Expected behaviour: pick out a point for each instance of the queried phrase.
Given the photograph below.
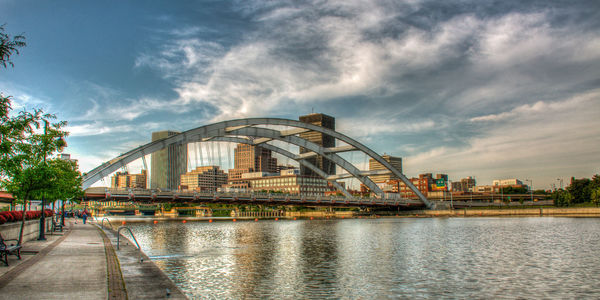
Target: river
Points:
(538, 257)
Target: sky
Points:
(490, 89)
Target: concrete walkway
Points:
(82, 263)
(72, 266)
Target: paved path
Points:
(82, 263)
(71, 268)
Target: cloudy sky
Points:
(492, 89)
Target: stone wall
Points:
(30, 232)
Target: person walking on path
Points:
(84, 217)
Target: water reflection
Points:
(379, 258)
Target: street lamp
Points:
(561, 182)
(42, 233)
(530, 188)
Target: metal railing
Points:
(102, 223)
(131, 233)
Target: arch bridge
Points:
(267, 133)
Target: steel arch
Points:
(225, 128)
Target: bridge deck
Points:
(242, 198)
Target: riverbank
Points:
(83, 263)
(459, 212)
(478, 212)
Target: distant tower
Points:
(320, 139)
(254, 159)
(168, 164)
(374, 165)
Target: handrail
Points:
(108, 223)
(132, 235)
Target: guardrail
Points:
(132, 236)
(257, 196)
(102, 223)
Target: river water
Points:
(379, 258)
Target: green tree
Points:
(65, 181)
(24, 169)
(595, 196)
(9, 46)
(580, 189)
(562, 198)
(26, 173)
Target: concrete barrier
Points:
(30, 232)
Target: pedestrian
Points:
(84, 217)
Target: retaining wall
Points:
(552, 211)
(30, 232)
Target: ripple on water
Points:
(382, 258)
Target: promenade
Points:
(81, 263)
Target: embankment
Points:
(542, 211)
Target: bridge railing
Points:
(279, 197)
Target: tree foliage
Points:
(509, 190)
(596, 196)
(9, 46)
(562, 198)
(27, 139)
(65, 180)
(583, 190)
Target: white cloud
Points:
(374, 125)
(544, 141)
(515, 79)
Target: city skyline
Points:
(463, 89)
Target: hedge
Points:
(17, 215)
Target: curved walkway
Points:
(70, 267)
(82, 263)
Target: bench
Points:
(6, 250)
(56, 226)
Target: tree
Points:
(580, 190)
(562, 198)
(24, 171)
(596, 196)
(9, 46)
(65, 180)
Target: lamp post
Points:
(42, 233)
(561, 182)
(530, 188)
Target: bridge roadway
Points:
(148, 196)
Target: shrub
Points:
(7, 216)
(15, 216)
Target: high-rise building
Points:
(464, 185)
(167, 164)
(320, 139)
(208, 178)
(249, 159)
(126, 180)
(254, 159)
(374, 165)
